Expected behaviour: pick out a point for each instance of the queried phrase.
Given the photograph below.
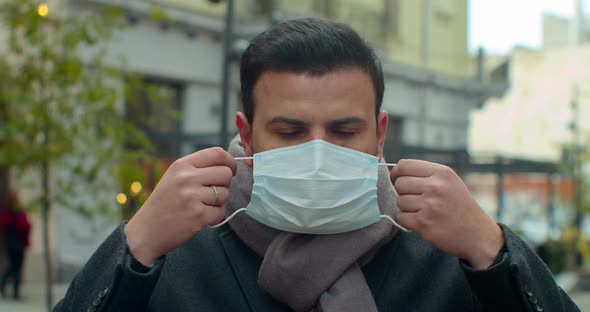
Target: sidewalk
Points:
(34, 299)
(582, 299)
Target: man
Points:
(320, 228)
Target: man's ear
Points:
(244, 129)
(381, 130)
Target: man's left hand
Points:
(435, 203)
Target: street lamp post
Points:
(576, 169)
(229, 52)
(227, 43)
(272, 19)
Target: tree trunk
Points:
(46, 241)
(45, 177)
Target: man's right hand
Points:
(181, 204)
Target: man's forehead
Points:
(334, 98)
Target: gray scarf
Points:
(312, 272)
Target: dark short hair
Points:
(308, 45)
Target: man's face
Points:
(293, 108)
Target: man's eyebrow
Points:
(348, 121)
(286, 120)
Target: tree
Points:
(59, 110)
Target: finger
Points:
(407, 220)
(414, 168)
(212, 215)
(410, 185)
(214, 156)
(410, 203)
(208, 197)
(216, 175)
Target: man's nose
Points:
(318, 133)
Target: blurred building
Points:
(556, 32)
(423, 44)
(533, 119)
(541, 117)
(176, 47)
(537, 121)
(535, 204)
(560, 32)
(429, 34)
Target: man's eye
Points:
(290, 134)
(344, 133)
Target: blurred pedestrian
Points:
(15, 227)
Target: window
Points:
(153, 105)
(391, 17)
(324, 8)
(444, 9)
(395, 128)
(263, 7)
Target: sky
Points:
(497, 25)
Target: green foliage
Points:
(554, 253)
(158, 15)
(61, 106)
(567, 167)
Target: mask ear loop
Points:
(228, 218)
(395, 223)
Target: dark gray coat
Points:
(215, 271)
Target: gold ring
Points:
(215, 195)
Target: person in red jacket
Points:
(15, 228)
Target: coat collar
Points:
(245, 265)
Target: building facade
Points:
(533, 119)
(561, 32)
(542, 117)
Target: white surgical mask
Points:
(315, 188)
